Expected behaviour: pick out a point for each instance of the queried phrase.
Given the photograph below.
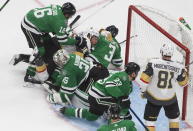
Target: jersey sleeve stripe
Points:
(68, 90)
(145, 78)
(62, 40)
(110, 84)
(96, 93)
(62, 37)
(117, 61)
(29, 26)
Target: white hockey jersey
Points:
(160, 78)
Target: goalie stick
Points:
(4, 5)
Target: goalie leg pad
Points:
(54, 98)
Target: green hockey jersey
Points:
(106, 52)
(49, 19)
(122, 125)
(116, 85)
(74, 72)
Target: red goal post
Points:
(152, 29)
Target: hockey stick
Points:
(93, 13)
(182, 20)
(74, 21)
(4, 5)
(138, 119)
(122, 42)
(130, 38)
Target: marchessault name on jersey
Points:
(167, 67)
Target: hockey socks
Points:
(174, 126)
(79, 113)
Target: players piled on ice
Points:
(74, 69)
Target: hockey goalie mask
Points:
(167, 50)
(61, 57)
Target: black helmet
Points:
(113, 29)
(132, 67)
(68, 8)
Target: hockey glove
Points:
(62, 110)
(38, 60)
(80, 42)
(98, 72)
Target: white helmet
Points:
(92, 32)
(61, 57)
(167, 50)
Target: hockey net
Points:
(147, 30)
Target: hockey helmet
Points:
(92, 32)
(132, 67)
(113, 29)
(61, 57)
(167, 50)
(68, 8)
